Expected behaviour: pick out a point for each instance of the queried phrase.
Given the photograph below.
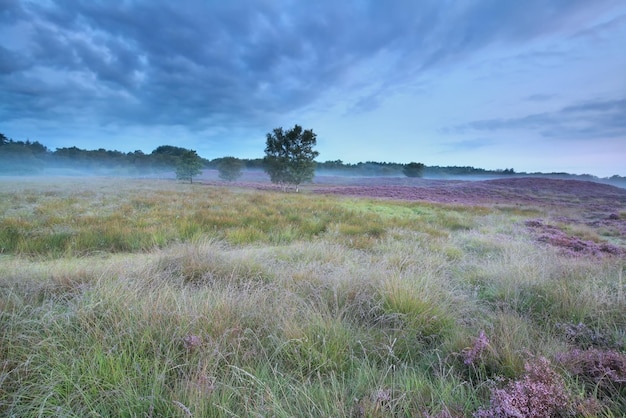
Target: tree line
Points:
(32, 157)
(289, 160)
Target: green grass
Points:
(86, 218)
(154, 298)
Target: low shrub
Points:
(541, 393)
(602, 371)
(583, 336)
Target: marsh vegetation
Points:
(153, 298)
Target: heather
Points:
(157, 298)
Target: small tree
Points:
(189, 164)
(289, 156)
(413, 170)
(229, 168)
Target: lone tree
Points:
(413, 170)
(289, 156)
(229, 168)
(189, 164)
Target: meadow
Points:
(148, 298)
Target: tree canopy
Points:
(229, 168)
(413, 170)
(289, 156)
(21, 157)
(188, 166)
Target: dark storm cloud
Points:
(11, 62)
(196, 62)
(589, 120)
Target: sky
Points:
(534, 85)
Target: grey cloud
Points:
(10, 9)
(183, 63)
(602, 29)
(610, 106)
(11, 62)
(589, 120)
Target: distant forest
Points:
(34, 158)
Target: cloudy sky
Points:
(534, 85)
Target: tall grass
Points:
(77, 218)
(176, 300)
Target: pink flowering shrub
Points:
(192, 342)
(473, 354)
(541, 393)
(570, 245)
(603, 370)
(480, 361)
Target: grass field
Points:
(149, 298)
